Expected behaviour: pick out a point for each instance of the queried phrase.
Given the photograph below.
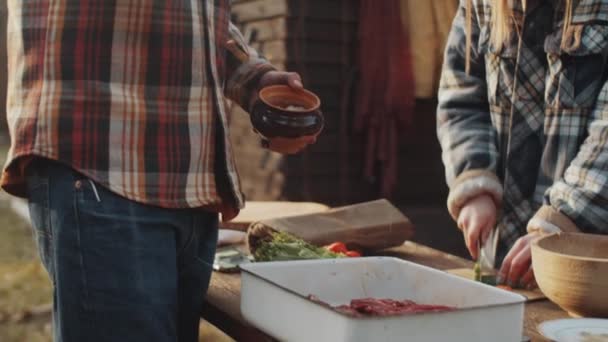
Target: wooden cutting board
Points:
(262, 210)
(368, 226)
(469, 274)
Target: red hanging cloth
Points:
(386, 89)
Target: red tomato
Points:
(353, 254)
(337, 247)
(505, 287)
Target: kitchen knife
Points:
(487, 252)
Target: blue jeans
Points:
(121, 271)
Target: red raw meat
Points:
(383, 307)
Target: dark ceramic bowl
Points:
(284, 112)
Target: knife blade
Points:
(484, 266)
(487, 252)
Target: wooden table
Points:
(222, 308)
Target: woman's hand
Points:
(516, 269)
(476, 220)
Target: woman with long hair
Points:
(523, 124)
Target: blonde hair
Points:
(503, 23)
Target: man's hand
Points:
(516, 268)
(291, 79)
(290, 145)
(476, 220)
(278, 144)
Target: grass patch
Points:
(24, 284)
(17, 243)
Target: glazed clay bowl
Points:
(282, 111)
(572, 271)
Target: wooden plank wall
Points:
(317, 38)
(314, 38)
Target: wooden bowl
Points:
(572, 271)
(282, 111)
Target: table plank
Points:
(222, 307)
(538, 312)
(427, 256)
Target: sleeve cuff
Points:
(244, 80)
(471, 184)
(548, 220)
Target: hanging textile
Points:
(385, 94)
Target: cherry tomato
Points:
(505, 287)
(337, 247)
(353, 254)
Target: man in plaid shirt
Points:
(119, 139)
(525, 131)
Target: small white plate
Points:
(575, 330)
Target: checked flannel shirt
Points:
(131, 94)
(529, 123)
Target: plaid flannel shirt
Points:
(529, 124)
(129, 93)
